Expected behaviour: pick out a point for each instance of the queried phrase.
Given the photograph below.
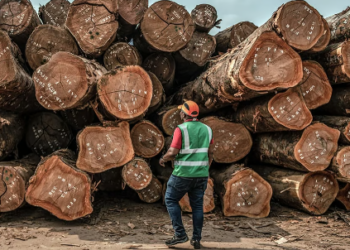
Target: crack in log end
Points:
(171, 120)
(270, 64)
(344, 196)
(137, 174)
(318, 191)
(316, 147)
(152, 193)
(54, 12)
(132, 11)
(15, 16)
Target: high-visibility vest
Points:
(193, 159)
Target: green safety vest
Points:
(193, 159)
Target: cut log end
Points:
(316, 147)
(204, 17)
(110, 180)
(324, 39)
(7, 62)
(153, 192)
(78, 118)
(171, 120)
(54, 12)
(158, 93)
(344, 196)
(342, 161)
(137, 174)
(121, 54)
(270, 52)
(240, 32)
(317, 191)
(132, 11)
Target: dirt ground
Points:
(126, 223)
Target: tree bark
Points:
(339, 104)
(147, 139)
(344, 196)
(14, 178)
(18, 19)
(47, 40)
(340, 123)
(78, 118)
(341, 164)
(309, 150)
(110, 180)
(60, 188)
(234, 35)
(242, 191)
(94, 25)
(339, 26)
(54, 12)
(103, 148)
(47, 133)
(67, 81)
(204, 17)
(159, 97)
(125, 93)
(121, 54)
(137, 174)
(168, 118)
(232, 141)
(324, 40)
(309, 192)
(152, 193)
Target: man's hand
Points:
(162, 162)
(169, 156)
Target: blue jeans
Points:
(177, 187)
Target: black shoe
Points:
(196, 244)
(176, 240)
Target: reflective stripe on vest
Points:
(187, 149)
(191, 163)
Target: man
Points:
(190, 149)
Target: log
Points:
(340, 123)
(232, 141)
(47, 133)
(147, 139)
(18, 18)
(344, 196)
(110, 180)
(54, 12)
(324, 39)
(163, 66)
(152, 193)
(137, 174)
(309, 192)
(103, 148)
(11, 132)
(168, 118)
(60, 188)
(47, 40)
(204, 17)
(159, 97)
(309, 150)
(339, 165)
(208, 201)
(121, 54)
(242, 191)
(94, 25)
(339, 26)
(339, 104)
(282, 112)
(167, 26)
(14, 178)
(125, 93)
(67, 81)
(230, 38)
(78, 118)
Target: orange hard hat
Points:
(190, 108)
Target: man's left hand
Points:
(162, 162)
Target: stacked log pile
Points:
(100, 109)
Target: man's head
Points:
(189, 110)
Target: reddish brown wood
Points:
(324, 39)
(137, 174)
(339, 25)
(204, 17)
(158, 98)
(168, 118)
(60, 188)
(54, 12)
(103, 148)
(153, 192)
(344, 196)
(340, 123)
(110, 180)
(341, 164)
(78, 118)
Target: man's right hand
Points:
(162, 162)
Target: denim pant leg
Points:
(177, 187)
(196, 195)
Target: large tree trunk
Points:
(340, 123)
(110, 180)
(125, 93)
(103, 148)
(60, 188)
(153, 192)
(344, 196)
(11, 132)
(341, 164)
(79, 118)
(234, 35)
(121, 54)
(147, 139)
(339, 26)
(93, 24)
(339, 103)
(309, 150)
(309, 192)
(159, 97)
(204, 17)
(14, 178)
(232, 141)
(47, 133)
(137, 174)
(242, 191)
(67, 81)
(54, 12)
(323, 42)
(168, 118)
(208, 200)
(19, 19)
(47, 40)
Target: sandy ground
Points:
(126, 223)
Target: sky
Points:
(256, 11)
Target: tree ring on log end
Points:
(316, 147)
(126, 93)
(324, 39)
(54, 12)
(289, 110)
(7, 61)
(300, 24)
(103, 148)
(204, 17)
(121, 54)
(232, 141)
(158, 91)
(167, 26)
(153, 192)
(171, 120)
(240, 32)
(147, 139)
(137, 174)
(270, 63)
(132, 11)
(342, 159)
(317, 191)
(344, 196)
(247, 194)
